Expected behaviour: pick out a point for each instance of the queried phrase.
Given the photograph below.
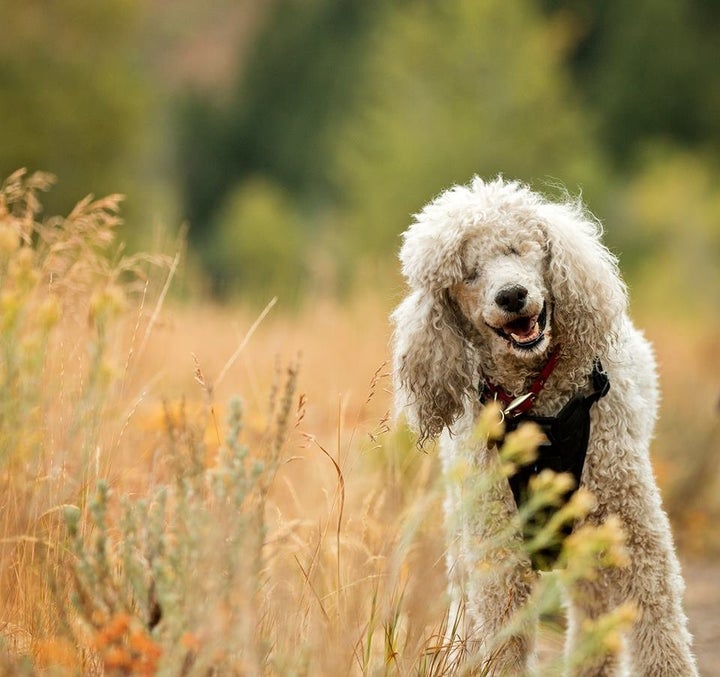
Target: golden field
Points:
(153, 523)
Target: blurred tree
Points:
(258, 246)
(457, 88)
(360, 111)
(72, 94)
(670, 240)
(647, 69)
(298, 81)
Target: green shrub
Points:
(259, 249)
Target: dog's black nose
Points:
(511, 298)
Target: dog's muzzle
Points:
(524, 332)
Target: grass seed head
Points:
(521, 445)
(9, 239)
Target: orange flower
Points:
(144, 645)
(117, 626)
(117, 658)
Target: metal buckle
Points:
(516, 403)
(501, 411)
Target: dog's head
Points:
(497, 274)
(504, 293)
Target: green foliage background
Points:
(298, 136)
(75, 97)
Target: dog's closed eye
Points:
(471, 275)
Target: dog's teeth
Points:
(515, 337)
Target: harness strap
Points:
(601, 382)
(567, 434)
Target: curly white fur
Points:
(462, 250)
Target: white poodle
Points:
(512, 295)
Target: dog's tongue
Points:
(522, 329)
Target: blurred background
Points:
(296, 137)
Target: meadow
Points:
(191, 488)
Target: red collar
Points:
(515, 406)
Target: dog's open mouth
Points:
(525, 332)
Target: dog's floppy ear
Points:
(583, 278)
(431, 356)
(431, 365)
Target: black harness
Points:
(567, 435)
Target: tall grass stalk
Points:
(65, 287)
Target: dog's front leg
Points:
(660, 644)
(489, 572)
(587, 601)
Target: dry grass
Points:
(149, 525)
